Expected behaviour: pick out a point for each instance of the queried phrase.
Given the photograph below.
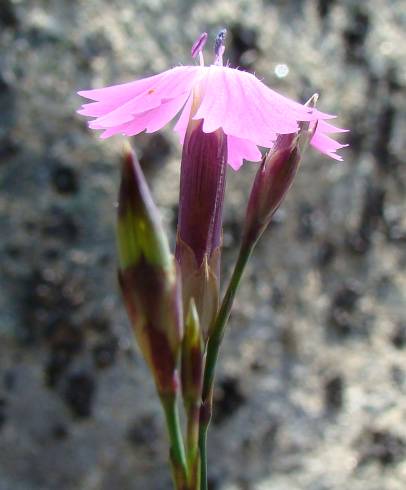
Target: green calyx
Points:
(140, 233)
(137, 238)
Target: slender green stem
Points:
(217, 332)
(177, 449)
(212, 352)
(192, 444)
(203, 455)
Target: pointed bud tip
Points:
(192, 311)
(193, 323)
(129, 160)
(127, 151)
(127, 148)
(312, 101)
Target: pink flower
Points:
(250, 114)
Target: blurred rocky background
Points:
(311, 391)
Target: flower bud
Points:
(140, 232)
(202, 185)
(272, 181)
(147, 276)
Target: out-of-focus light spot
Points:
(281, 70)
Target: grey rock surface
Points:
(311, 390)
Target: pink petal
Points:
(183, 121)
(109, 132)
(171, 85)
(249, 113)
(245, 108)
(160, 116)
(123, 92)
(241, 149)
(96, 109)
(324, 127)
(150, 121)
(326, 145)
(317, 115)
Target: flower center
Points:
(219, 48)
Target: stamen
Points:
(198, 46)
(219, 47)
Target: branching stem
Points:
(177, 449)
(212, 352)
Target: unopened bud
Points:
(202, 185)
(147, 276)
(273, 180)
(139, 229)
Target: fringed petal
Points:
(151, 121)
(248, 112)
(96, 109)
(245, 108)
(324, 127)
(138, 99)
(118, 94)
(325, 144)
